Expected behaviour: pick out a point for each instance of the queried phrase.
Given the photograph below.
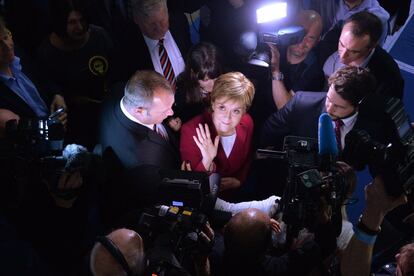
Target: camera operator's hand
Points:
(227, 183)
(275, 62)
(275, 225)
(378, 203)
(201, 261)
(186, 166)
(207, 147)
(68, 183)
(57, 102)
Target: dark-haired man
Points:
(348, 88)
(358, 45)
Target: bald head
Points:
(311, 21)
(247, 234)
(132, 248)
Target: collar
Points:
(355, 7)
(132, 118)
(15, 67)
(153, 43)
(350, 120)
(367, 59)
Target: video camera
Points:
(172, 229)
(34, 149)
(306, 186)
(395, 161)
(272, 27)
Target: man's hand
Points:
(205, 144)
(379, 203)
(59, 101)
(175, 123)
(228, 183)
(67, 183)
(275, 62)
(275, 225)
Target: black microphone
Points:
(328, 147)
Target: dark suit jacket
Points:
(238, 162)
(387, 73)
(132, 144)
(300, 117)
(132, 53)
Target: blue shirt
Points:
(344, 12)
(20, 84)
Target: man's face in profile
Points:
(336, 106)
(6, 47)
(160, 109)
(353, 50)
(154, 25)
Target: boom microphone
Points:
(328, 147)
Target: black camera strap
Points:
(115, 252)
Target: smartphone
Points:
(59, 111)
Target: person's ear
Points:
(140, 111)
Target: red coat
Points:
(237, 164)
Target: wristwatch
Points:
(361, 226)
(278, 76)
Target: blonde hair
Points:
(233, 86)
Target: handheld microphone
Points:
(328, 147)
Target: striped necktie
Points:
(166, 63)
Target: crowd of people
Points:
(124, 79)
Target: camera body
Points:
(395, 161)
(272, 27)
(307, 190)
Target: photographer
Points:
(20, 94)
(122, 252)
(49, 202)
(356, 259)
(296, 67)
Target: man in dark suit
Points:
(132, 129)
(135, 143)
(345, 102)
(140, 43)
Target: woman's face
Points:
(206, 85)
(227, 115)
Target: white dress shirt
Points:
(346, 127)
(173, 52)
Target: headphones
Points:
(116, 253)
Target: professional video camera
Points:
(395, 161)
(172, 231)
(314, 181)
(34, 149)
(272, 27)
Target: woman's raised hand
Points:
(207, 147)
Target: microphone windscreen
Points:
(326, 136)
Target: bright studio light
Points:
(271, 12)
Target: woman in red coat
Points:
(220, 140)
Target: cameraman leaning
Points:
(122, 253)
(19, 94)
